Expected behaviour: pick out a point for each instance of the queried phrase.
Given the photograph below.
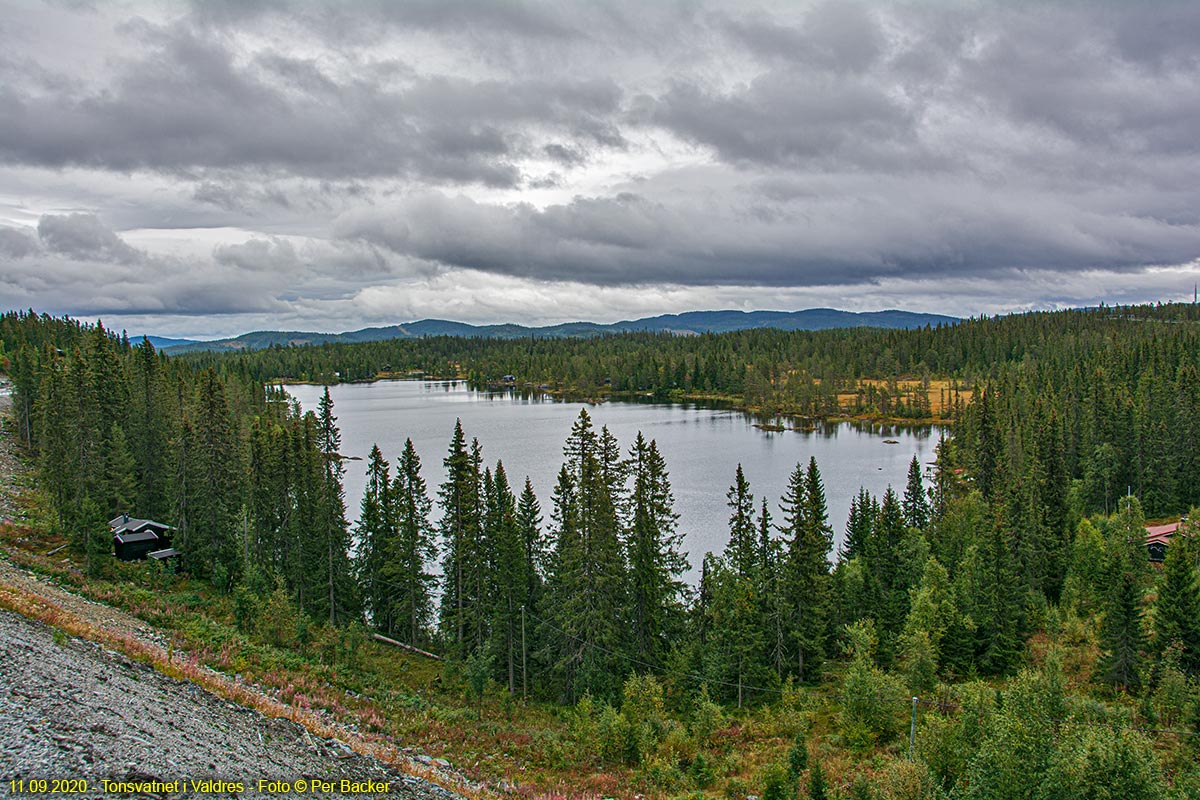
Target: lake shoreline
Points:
(699, 400)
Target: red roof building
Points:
(1157, 539)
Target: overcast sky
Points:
(209, 169)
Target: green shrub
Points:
(643, 709)
(1018, 743)
(1172, 697)
(281, 623)
(798, 758)
(221, 578)
(906, 780)
(874, 703)
(616, 740)
(817, 788)
(662, 774)
(861, 789)
(677, 747)
(736, 789)
(246, 608)
(701, 772)
(584, 728)
(919, 661)
(942, 745)
(777, 783)
(1103, 763)
(707, 717)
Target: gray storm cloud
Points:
(286, 157)
(188, 102)
(78, 265)
(83, 236)
(803, 236)
(15, 243)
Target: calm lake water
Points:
(702, 447)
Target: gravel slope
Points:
(73, 709)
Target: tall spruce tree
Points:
(529, 523)
(588, 581)
(863, 510)
(1054, 516)
(1177, 612)
(118, 487)
(916, 504)
(57, 434)
(375, 532)
(1187, 435)
(886, 584)
(998, 593)
(740, 552)
(537, 560)
(652, 544)
(1122, 637)
(108, 396)
(732, 656)
(769, 591)
(212, 500)
(305, 557)
(272, 490)
(554, 628)
(462, 615)
(412, 548)
(510, 583)
(342, 600)
(149, 432)
(808, 541)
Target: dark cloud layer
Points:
(305, 154)
(892, 228)
(188, 102)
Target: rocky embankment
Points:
(73, 710)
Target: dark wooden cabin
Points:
(134, 539)
(134, 546)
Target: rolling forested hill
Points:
(689, 323)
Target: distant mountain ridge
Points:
(162, 342)
(685, 324)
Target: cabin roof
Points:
(126, 523)
(128, 537)
(1161, 530)
(1161, 534)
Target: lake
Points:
(702, 447)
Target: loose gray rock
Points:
(71, 710)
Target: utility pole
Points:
(912, 729)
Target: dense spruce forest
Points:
(1079, 425)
